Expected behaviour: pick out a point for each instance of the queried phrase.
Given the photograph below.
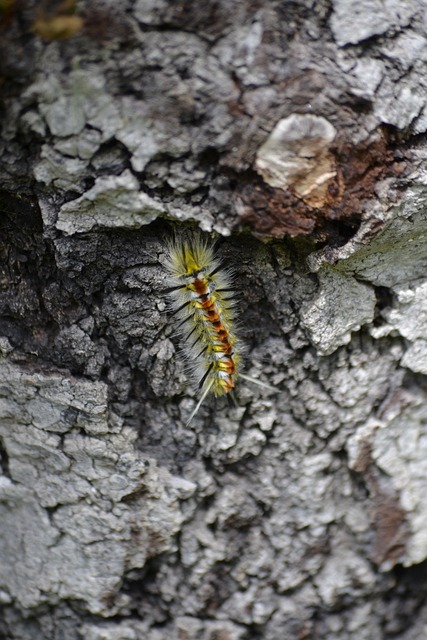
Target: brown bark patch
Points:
(388, 516)
(273, 212)
(276, 212)
(390, 528)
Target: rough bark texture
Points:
(296, 131)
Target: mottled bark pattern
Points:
(294, 131)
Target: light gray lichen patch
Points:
(113, 201)
(341, 306)
(390, 70)
(415, 357)
(395, 258)
(120, 631)
(343, 569)
(82, 114)
(408, 316)
(77, 99)
(358, 379)
(368, 18)
(112, 508)
(144, 134)
(64, 173)
(365, 77)
(381, 256)
(26, 538)
(399, 104)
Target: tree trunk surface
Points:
(292, 134)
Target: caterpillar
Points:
(202, 299)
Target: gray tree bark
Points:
(294, 132)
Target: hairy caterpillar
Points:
(202, 299)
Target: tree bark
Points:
(293, 134)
